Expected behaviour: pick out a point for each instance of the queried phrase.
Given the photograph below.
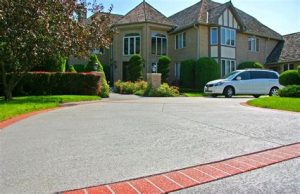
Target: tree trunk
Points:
(7, 94)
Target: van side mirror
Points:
(238, 78)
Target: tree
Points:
(163, 68)
(250, 65)
(135, 68)
(31, 30)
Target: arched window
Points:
(159, 44)
(132, 44)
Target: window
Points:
(244, 75)
(213, 36)
(253, 44)
(177, 71)
(180, 41)
(159, 44)
(228, 66)
(132, 44)
(228, 36)
(288, 67)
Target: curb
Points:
(250, 106)
(196, 175)
(11, 121)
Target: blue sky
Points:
(282, 16)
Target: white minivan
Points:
(255, 82)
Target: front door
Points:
(125, 71)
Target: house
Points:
(286, 54)
(207, 28)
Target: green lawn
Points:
(193, 94)
(21, 105)
(280, 103)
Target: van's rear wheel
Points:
(228, 92)
(273, 91)
(256, 96)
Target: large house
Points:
(207, 28)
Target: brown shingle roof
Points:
(145, 13)
(287, 50)
(114, 18)
(197, 13)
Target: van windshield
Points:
(231, 75)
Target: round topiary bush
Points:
(290, 91)
(206, 69)
(91, 64)
(290, 77)
(250, 65)
(135, 68)
(163, 68)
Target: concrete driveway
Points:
(127, 137)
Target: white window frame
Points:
(253, 42)
(181, 37)
(232, 66)
(134, 44)
(177, 71)
(217, 38)
(288, 66)
(229, 34)
(161, 37)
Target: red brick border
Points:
(196, 175)
(13, 120)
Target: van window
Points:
(259, 75)
(244, 75)
(272, 75)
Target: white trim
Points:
(134, 45)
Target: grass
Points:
(280, 103)
(21, 105)
(193, 94)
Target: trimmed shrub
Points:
(290, 91)
(165, 91)
(163, 68)
(135, 68)
(52, 64)
(90, 66)
(298, 69)
(72, 69)
(206, 69)
(130, 87)
(290, 77)
(48, 83)
(80, 68)
(187, 75)
(250, 65)
(105, 89)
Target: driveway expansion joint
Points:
(197, 175)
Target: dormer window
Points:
(132, 44)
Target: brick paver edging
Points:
(196, 175)
(13, 120)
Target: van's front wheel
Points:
(228, 92)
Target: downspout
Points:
(196, 27)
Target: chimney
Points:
(82, 12)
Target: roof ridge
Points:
(291, 34)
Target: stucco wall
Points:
(243, 54)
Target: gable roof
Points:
(287, 50)
(144, 12)
(197, 14)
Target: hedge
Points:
(187, 76)
(47, 83)
(290, 77)
(79, 67)
(290, 91)
(206, 69)
(250, 65)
